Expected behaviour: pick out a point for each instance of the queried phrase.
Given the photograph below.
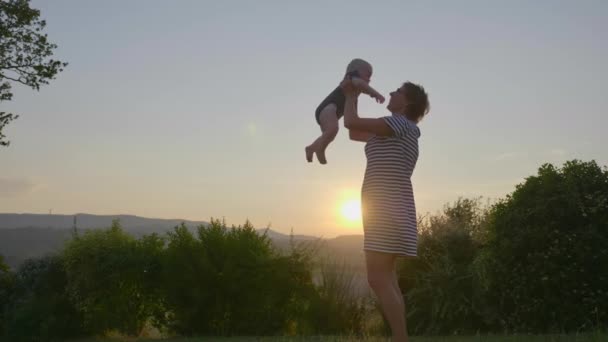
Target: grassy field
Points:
(593, 337)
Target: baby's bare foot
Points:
(309, 152)
(321, 156)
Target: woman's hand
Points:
(349, 88)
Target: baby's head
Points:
(363, 68)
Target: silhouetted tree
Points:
(548, 250)
(24, 53)
(112, 278)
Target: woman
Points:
(387, 197)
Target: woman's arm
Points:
(352, 121)
(361, 136)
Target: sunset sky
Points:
(199, 109)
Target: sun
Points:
(351, 211)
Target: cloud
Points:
(15, 187)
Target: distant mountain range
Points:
(25, 236)
(87, 221)
(135, 225)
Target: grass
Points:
(590, 337)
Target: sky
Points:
(200, 109)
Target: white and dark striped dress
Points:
(387, 197)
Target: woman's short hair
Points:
(418, 99)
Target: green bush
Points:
(113, 279)
(548, 250)
(336, 306)
(231, 281)
(6, 289)
(441, 286)
(38, 308)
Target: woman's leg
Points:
(329, 129)
(382, 279)
(399, 295)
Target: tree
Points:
(38, 308)
(112, 279)
(547, 252)
(3, 267)
(6, 288)
(24, 53)
(231, 281)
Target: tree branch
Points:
(24, 72)
(13, 79)
(8, 67)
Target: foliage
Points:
(25, 53)
(6, 289)
(548, 250)
(113, 279)
(38, 308)
(231, 281)
(337, 307)
(441, 286)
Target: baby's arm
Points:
(365, 88)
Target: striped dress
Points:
(387, 197)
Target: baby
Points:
(332, 108)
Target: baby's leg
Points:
(329, 129)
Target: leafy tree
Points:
(25, 53)
(112, 279)
(3, 267)
(548, 250)
(6, 288)
(227, 281)
(38, 308)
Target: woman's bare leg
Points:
(381, 277)
(399, 295)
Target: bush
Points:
(231, 281)
(6, 289)
(441, 286)
(38, 308)
(113, 279)
(336, 306)
(548, 250)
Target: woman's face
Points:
(397, 102)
